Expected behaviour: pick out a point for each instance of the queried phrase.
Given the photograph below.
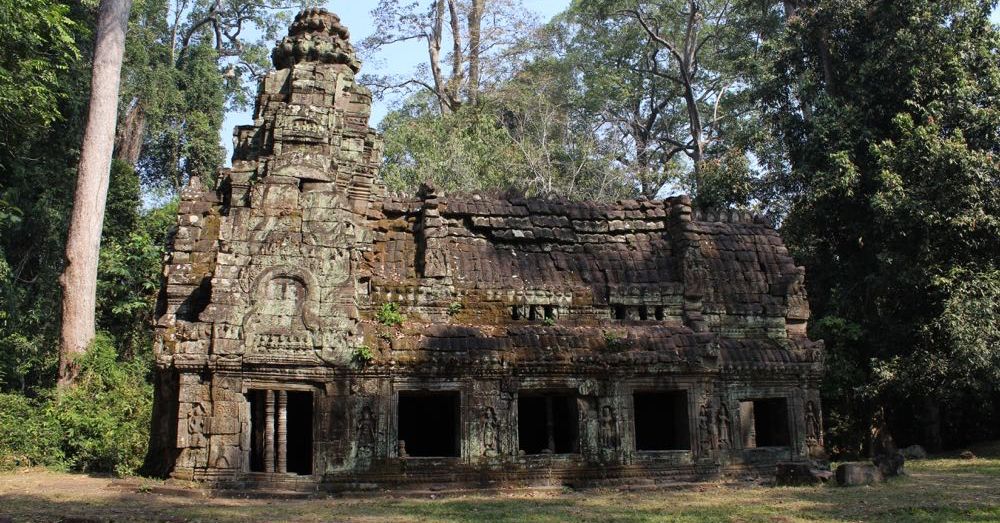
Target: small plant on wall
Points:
(362, 355)
(454, 308)
(388, 314)
(614, 341)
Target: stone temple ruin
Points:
(315, 331)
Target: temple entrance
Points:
(764, 423)
(299, 438)
(661, 420)
(428, 424)
(281, 431)
(547, 423)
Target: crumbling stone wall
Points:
(277, 277)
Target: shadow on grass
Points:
(937, 490)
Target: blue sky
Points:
(356, 15)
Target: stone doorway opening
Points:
(764, 423)
(661, 420)
(300, 428)
(428, 424)
(547, 423)
(281, 426)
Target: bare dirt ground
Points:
(941, 489)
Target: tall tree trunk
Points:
(128, 143)
(475, 31)
(457, 56)
(826, 60)
(434, 52)
(79, 280)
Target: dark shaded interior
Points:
(256, 398)
(547, 423)
(661, 420)
(428, 423)
(770, 423)
(298, 439)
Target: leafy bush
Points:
(28, 437)
(99, 425)
(388, 314)
(104, 418)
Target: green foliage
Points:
(633, 92)
(39, 47)
(465, 151)
(549, 322)
(388, 314)
(454, 308)
(187, 62)
(519, 137)
(104, 418)
(28, 437)
(99, 425)
(724, 181)
(130, 262)
(38, 157)
(614, 341)
(362, 355)
(890, 129)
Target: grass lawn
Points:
(941, 489)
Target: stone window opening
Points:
(547, 423)
(428, 424)
(764, 423)
(661, 420)
(643, 314)
(621, 312)
(659, 313)
(533, 312)
(550, 312)
(281, 426)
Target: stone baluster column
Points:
(282, 447)
(269, 431)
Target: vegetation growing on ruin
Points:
(362, 355)
(868, 130)
(388, 314)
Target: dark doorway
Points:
(257, 416)
(547, 423)
(428, 423)
(299, 434)
(764, 423)
(661, 420)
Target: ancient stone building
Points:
(314, 330)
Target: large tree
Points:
(41, 121)
(187, 62)
(79, 279)
(474, 49)
(665, 81)
(891, 134)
